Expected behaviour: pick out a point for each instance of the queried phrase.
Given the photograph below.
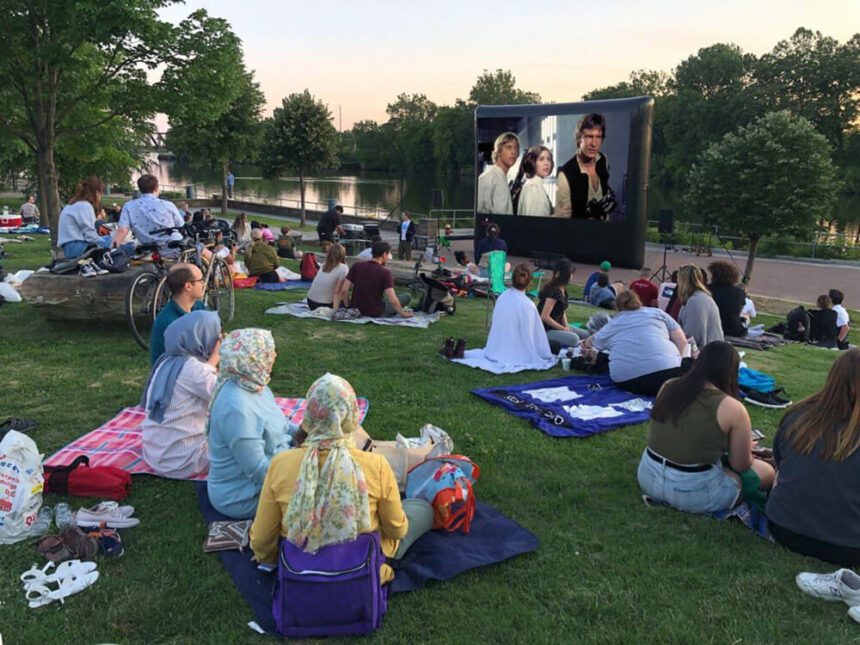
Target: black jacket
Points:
(730, 300)
(578, 182)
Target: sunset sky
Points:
(360, 55)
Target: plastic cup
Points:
(565, 363)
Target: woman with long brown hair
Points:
(695, 421)
(699, 315)
(77, 230)
(815, 508)
(329, 279)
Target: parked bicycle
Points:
(149, 293)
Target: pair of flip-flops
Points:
(19, 425)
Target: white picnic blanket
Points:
(420, 320)
(517, 339)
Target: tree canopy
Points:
(300, 137)
(771, 177)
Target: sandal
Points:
(34, 575)
(19, 425)
(79, 575)
(83, 546)
(51, 547)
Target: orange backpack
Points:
(446, 482)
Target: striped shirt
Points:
(177, 447)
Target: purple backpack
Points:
(336, 591)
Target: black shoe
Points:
(765, 400)
(448, 349)
(460, 349)
(781, 400)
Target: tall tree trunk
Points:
(224, 188)
(754, 239)
(49, 192)
(302, 194)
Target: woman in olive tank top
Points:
(695, 421)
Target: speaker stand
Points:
(663, 272)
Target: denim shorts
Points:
(705, 492)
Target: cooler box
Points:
(11, 220)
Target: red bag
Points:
(309, 266)
(80, 480)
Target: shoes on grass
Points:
(459, 349)
(447, 350)
(842, 585)
(766, 399)
(111, 514)
(41, 589)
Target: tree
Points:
(300, 137)
(499, 88)
(67, 67)
(215, 140)
(453, 132)
(411, 121)
(817, 78)
(771, 176)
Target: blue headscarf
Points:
(192, 336)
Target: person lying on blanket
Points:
(370, 282)
(695, 421)
(177, 396)
(327, 491)
(246, 427)
(644, 344)
(814, 508)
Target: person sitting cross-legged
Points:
(695, 421)
(552, 307)
(370, 282)
(814, 508)
(328, 492)
(185, 282)
(246, 427)
(329, 279)
(177, 397)
(645, 346)
(261, 259)
(77, 228)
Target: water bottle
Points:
(43, 522)
(63, 515)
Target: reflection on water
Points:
(364, 189)
(376, 190)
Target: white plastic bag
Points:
(8, 293)
(21, 484)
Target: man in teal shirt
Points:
(185, 282)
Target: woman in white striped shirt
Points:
(178, 394)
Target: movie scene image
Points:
(566, 166)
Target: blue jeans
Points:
(705, 492)
(76, 249)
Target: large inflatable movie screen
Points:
(565, 179)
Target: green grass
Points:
(608, 569)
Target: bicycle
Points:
(148, 293)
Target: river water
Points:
(382, 192)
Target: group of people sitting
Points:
(209, 410)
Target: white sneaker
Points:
(110, 513)
(840, 585)
(88, 271)
(854, 614)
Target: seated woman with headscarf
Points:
(177, 396)
(328, 492)
(517, 339)
(246, 426)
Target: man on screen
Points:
(583, 182)
(494, 194)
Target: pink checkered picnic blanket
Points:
(119, 442)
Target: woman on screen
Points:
(537, 164)
(494, 194)
(583, 182)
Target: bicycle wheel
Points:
(139, 306)
(219, 290)
(160, 298)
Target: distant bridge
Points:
(156, 142)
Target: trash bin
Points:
(331, 202)
(190, 193)
(135, 194)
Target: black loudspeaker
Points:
(666, 222)
(437, 198)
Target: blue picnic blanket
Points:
(283, 286)
(437, 555)
(574, 406)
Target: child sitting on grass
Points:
(287, 245)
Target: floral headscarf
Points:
(247, 357)
(330, 505)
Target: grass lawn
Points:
(608, 569)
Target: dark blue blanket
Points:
(283, 286)
(574, 406)
(437, 555)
